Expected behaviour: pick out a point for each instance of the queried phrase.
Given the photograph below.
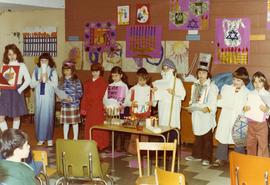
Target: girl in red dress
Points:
(92, 105)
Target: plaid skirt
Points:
(70, 115)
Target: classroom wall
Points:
(16, 21)
(104, 10)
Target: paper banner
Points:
(37, 40)
(189, 14)
(232, 41)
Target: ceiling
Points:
(26, 5)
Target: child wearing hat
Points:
(232, 99)
(70, 107)
(169, 95)
(204, 94)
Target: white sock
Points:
(75, 131)
(16, 124)
(3, 126)
(66, 128)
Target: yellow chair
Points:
(164, 177)
(79, 160)
(41, 156)
(154, 146)
(249, 170)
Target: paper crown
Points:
(204, 61)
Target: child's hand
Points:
(83, 112)
(205, 110)
(68, 100)
(45, 77)
(149, 103)
(246, 108)
(219, 96)
(264, 109)
(154, 89)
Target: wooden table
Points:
(145, 131)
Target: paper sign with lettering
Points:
(117, 92)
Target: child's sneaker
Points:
(40, 143)
(205, 163)
(191, 158)
(50, 143)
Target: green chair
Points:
(79, 160)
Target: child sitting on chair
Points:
(13, 148)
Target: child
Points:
(14, 147)
(70, 107)
(204, 96)
(92, 105)
(115, 95)
(232, 100)
(140, 100)
(44, 80)
(258, 131)
(168, 111)
(12, 100)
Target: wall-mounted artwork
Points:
(98, 37)
(143, 14)
(189, 14)
(178, 52)
(74, 51)
(143, 41)
(37, 40)
(123, 17)
(232, 41)
(129, 64)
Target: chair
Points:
(164, 177)
(249, 170)
(41, 156)
(79, 160)
(154, 146)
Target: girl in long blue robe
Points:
(44, 80)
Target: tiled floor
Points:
(126, 170)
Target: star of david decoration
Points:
(233, 35)
(193, 24)
(240, 129)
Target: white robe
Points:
(203, 122)
(164, 103)
(232, 104)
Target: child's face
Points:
(141, 81)
(202, 76)
(116, 77)
(67, 72)
(95, 74)
(44, 61)
(11, 55)
(258, 84)
(24, 151)
(238, 83)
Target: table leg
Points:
(178, 152)
(113, 151)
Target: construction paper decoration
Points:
(142, 13)
(232, 41)
(123, 15)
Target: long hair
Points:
(48, 57)
(262, 78)
(68, 64)
(16, 50)
(118, 70)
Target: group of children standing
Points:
(95, 96)
(232, 100)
